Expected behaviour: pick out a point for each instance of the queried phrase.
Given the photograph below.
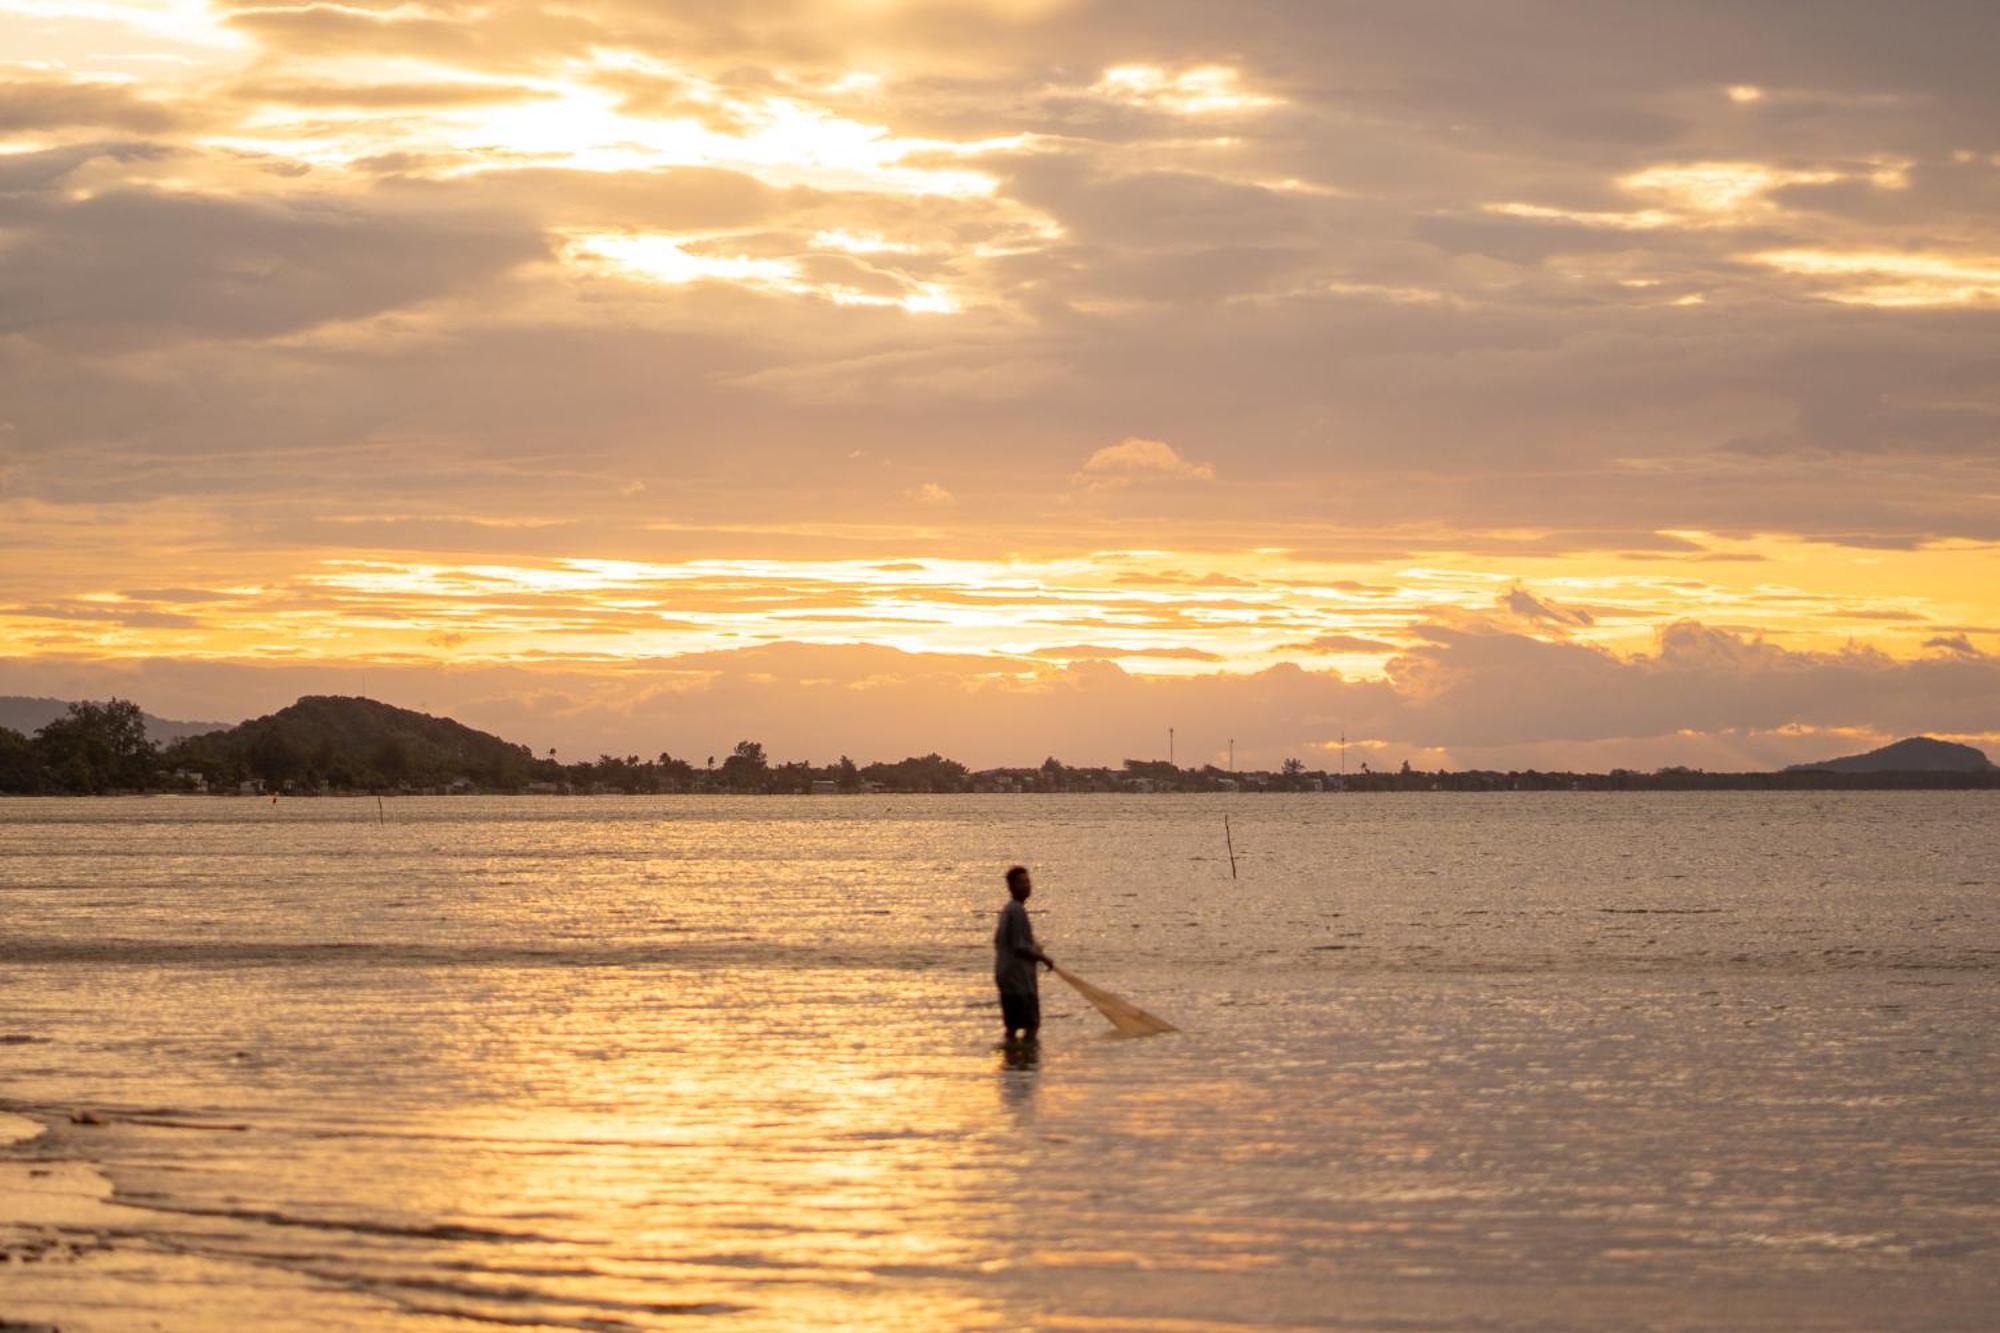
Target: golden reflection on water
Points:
(816, 1171)
(1019, 1082)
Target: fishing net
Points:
(1127, 1017)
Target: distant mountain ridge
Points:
(29, 714)
(1915, 754)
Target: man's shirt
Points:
(1014, 950)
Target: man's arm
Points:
(1021, 941)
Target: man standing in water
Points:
(1015, 954)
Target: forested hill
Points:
(1917, 754)
(357, 744)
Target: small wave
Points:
(489, 1303)
(160, 1122)
(524, 1295)
(446, 1231)
(251, 953)
(589, 1325)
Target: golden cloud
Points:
(1134, 459)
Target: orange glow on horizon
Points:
(1153, 612)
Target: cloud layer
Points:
(522, 336)
(1490, 699)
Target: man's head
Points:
(1018, 884)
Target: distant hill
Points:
(1918, 754)
(359, 744)
(29, 715)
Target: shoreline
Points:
(55, 1233)
(74, 1259)
(1770, 784)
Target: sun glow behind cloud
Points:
(597, 114)
(1881, 278)
(668, 261)
(1200, 91)
(783, 140)
(1701, 195)
(1720, 189)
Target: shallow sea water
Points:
(1449, 1062)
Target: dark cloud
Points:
(1538, 611)
(41, 104)
(327, 28)
(176, 595)
(1080, 652)
(142, 265)
(1489, 689)
(1338, 643)
(135, 617)
(32, 172)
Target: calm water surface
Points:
(1451, 1062)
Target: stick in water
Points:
(1127, 1017)
(1231, 844)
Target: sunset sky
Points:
(1499, 384)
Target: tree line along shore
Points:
(334, 745)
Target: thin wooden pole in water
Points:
(1230, 843)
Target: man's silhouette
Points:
(1015, 954)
